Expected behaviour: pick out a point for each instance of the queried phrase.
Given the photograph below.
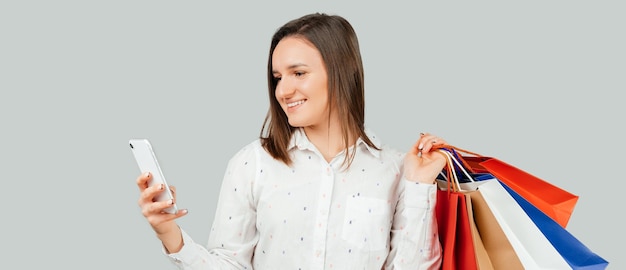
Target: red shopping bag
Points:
(552, 200)
(455, 230)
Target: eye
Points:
(298, 73)
(276, 78)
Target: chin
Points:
(296, 123)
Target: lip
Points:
(294, 105)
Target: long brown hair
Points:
(336, 40)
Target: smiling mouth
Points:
(293, 104)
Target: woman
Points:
(317, 190)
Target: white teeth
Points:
(295, 103)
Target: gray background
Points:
(534, 83)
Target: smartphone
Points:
(147, 161)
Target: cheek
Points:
(314, 88)
(321, 93)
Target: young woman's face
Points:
(302, 86)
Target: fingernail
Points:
(420, 147)
(161, 186)
(422, 134)
(170, 202)
(146, 174)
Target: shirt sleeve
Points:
(233, 235)
(414, 234)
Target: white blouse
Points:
(316, 215)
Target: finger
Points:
(173, 191)
(142, 180)
(415, 149)
(440, 142)
(425, 142)
(156, 208)
(428, 143)
(164, 217)
(153, 209)
(424, 136)
(419, 154)
(161, 206)
(181, 213)
(148, 194)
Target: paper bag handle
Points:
(460, 158)
(451, 160)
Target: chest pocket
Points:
(367, 223)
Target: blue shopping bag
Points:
(575, 253)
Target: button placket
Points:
(321, 222)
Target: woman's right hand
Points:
(162, 223)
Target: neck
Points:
(327, 139)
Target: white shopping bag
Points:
(532, 247)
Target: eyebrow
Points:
(294, 66)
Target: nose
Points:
(284, 89)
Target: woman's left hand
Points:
(422, 164)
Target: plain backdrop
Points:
(538, 84)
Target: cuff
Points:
(186, 254)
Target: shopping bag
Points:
(575, 253)
(454, 229)
(490, 236)
(491, 247)
(569, 248)
(552, 200)
(483, 262)
(532, 247)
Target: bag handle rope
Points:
(460, 158)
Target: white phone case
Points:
(147, 161)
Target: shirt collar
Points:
(300, 140)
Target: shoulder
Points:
(252, 152)
(386, 154)
(247, 154)
(389, 153)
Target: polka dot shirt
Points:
(316, 214)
